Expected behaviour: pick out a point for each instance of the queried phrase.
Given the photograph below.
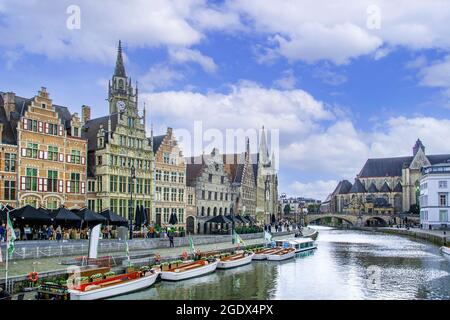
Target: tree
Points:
(414, 209)
(287, 209)
(313, 208)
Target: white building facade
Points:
(434, 196)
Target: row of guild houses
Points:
(384, 185)
(51, 158)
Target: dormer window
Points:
(44, 106)
(76, 132)
(100, 142)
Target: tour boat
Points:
(446, 251)
(190, 270)
(261, 255)
(235, 260)
(117, 285)
(300, 245)
(283, 254)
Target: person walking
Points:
(2, 232)
(171, 239)
(58, 233)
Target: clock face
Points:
(120, 104)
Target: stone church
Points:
(384, 185)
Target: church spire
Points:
(120, 68)
(263, 151)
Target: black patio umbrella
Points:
(114, 218)
(90, 217)
(219, 219)
(234, 219)
(173, 218)
(250, 218)
(273, 218)
(29, 214)
(240, 219)
(63, 215)
(138, 217)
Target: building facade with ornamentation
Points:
(170, 180)
(384, 185)
(120, 157)
(44, 148)
(214, 191)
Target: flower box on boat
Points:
(190, 270)
(235, 260)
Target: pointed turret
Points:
(263, 151)
(417, 146)
(120, 68)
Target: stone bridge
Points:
(354, 220)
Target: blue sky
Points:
(338, 89)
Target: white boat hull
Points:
(177, 276)
(445, 251)
(259, 256)
(115, 290)
(280, 257)
(305, 249)
(235, 263)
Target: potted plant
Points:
(144, 268)
(165, 266)
(109, 274)
(82, 280)
(96, 277)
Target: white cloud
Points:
(436, 74)
(329, 76)
(183, 55)
(286, 81)
(159, 76)
(319, 189)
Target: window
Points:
(113, 184)
(158, 175)
(166, 215)
(209, 177)
(91, 186)
(32, 150)
(173, 177)
(442, 199)
(91, 204)
(52, 181)
(76, 156)
(166, 158)
(209, 195)
(10, 190)
(181, 195)
(10, 162)
(130, 122)
(122, 184)
(443, 215)
(173, 196)
(53, 129)
(75, 131)
(147, 186)
(123, 207)
(222, 179)
(442, 184)
(99, 205)
(31, 179)
(99, 183)
(181, 215)
(52, 203)
(52, 153)
(158, 194)
(181, 177)
(99, 160)
(113, 206)
(140, 185)
(74, 182)
(190, 199)
(215, 196)
(166, 176)
(203, 194)
(130, 185)
(166, 194)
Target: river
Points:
(348, 264)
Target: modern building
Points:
(43, 148)
(214, 192)
(385, 185)
(434, 196)
(120, 157)
(170, 182)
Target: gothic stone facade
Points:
(214, 192)
(385, 185)
(117, 144)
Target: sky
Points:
(333, 82)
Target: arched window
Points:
(215, 211)
(203, 211)
(208, 212)
(220, 211)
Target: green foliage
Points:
(287, 209)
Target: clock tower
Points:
(121, 95)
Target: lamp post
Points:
(130, 207)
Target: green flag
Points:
(11, 236)
(191, 245)
(237, 239)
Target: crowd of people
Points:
(281, 225)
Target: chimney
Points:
(1, 132)
(9, 104)
(85, 113)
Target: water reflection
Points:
(347, 265)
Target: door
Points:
(190, 225)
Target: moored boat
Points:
(114, 286)
(235, 260)
(262, 255)
(282, 254)
(445, 251)
(299, 244)
(190, 270)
